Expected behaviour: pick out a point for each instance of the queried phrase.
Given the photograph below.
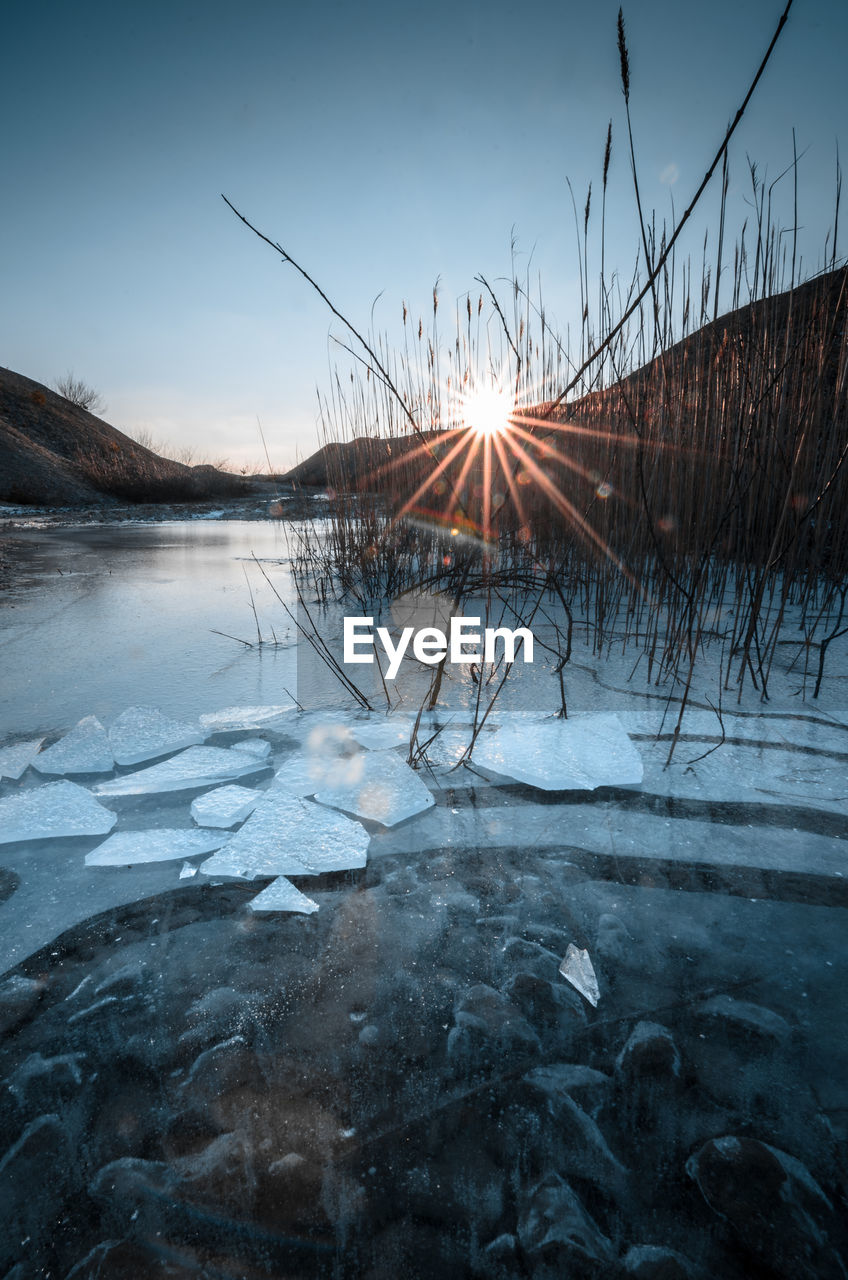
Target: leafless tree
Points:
(80, 393)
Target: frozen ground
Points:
(393, 1067)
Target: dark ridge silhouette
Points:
(53, 453)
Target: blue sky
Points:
(383, 146)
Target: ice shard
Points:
(128, 848)
(383, 788)
(187, 871)
(143, 733)
(53, 810)
(577, 969)
(84, 749)
(281, 895)
(196, 767)
(288, 836)
(225, 806)
(18, 756)
(232, 718)
(562, 755)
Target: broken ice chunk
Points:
(224, 807)
(288, 836)
(143, 733)
(577, 969)
(300, 775)
(562, 755)
(254, 747)
(84, 749)
(52, 810)
(187, 870)
(232, 718)
(281, 895)
(16, 758)
(305, 771)
(383, 788)
(127, 848)
(196, 767)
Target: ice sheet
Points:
(17, 757)
(379, 735)
(143, 733)
(196, 767)
(233, 718)
(225, 806)
(85, 749)
(562, 755)
(281, 895)
(288, 836)
(52, 810)
(128, 848)
(381, 787)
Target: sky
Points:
(384, 147)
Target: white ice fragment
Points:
(187, 870)
(143, 733)
(254, 747)
(84, 749)
(225, 806)
(288, 836)
(577, 969)
(232, 718)
(281, 895)
(17, 757)
(52, 810)
(196, 767)
(304, 772)
(300, 774)
(382, 787)
(563, 755)
(126, 848)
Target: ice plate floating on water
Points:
(231, 719)
(51, 811)
(281, 895)
(562, 755)
(224, 807)
(379, 786)
(128, 848)
(288, 836)
(144, 733)
(18, 756)
(195, 767)
(84, 749)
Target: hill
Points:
(53, 453)
(776, 339)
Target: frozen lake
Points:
(103, 616)
(203, 1065)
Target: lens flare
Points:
(486, 410)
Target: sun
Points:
(487, 410)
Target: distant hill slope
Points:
(52, 453)
(820, 306)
